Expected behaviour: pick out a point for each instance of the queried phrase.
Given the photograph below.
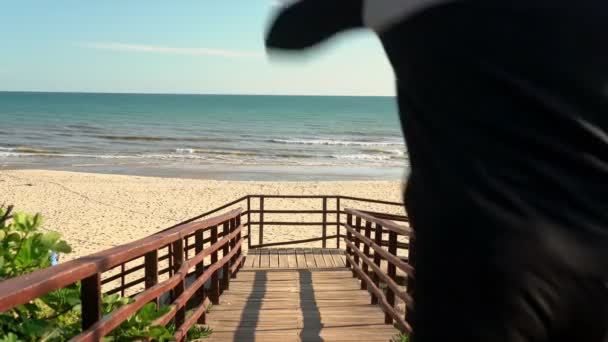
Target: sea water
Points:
(204, 136)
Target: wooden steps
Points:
(297, 305)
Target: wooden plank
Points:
(329, 260)
(249, 223)
(261, 223)
(215, 284)
(90, 296)
(264, 258)
(283, 262)
(300, 258)
(294, 305)
(274, 258)
(349, 236)
(225, 282)
(291, 258)
(250, 261)
(339, 258)
(324, 230)
(310, 258)
(338, 222)
(392, 273)
(318, 255)
(151, 270)
(178, 261)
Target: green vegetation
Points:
(56, 316)
(402, 337)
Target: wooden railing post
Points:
(227, 228)
(338, 222)
(214, 296)
(411, 287)
(178, 260)
(170, 259)
(261, 231)
(324, 233)
(349, 237)
(122, 280)
(186, 249)
(151, 271)
(90, 297)
(237, 238)
(199, 270)
(248, 222)
(368, 234)
(377, 260)
(392, 273)
(358, 229)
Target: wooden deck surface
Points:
(295, 258)
(297, 304)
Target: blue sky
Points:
(186, 46)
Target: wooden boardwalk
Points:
(316, 304)
(296, 258)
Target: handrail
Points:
(369, 200)
(405, 267)
(335, 202)
(399, 229)
(338, 212)
(20, 290)
(360, 260)
(207, 213)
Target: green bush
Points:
(402, 337)
(22, 248)
(56, 316)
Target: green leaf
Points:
(37, 221)
(62, 247)
(147, 313)
(13, 237)
(111, 299)
(19, 221)
(10, 337)
(38, 328)
(2, 234)
(159, 333)
(49, 239)
(199, 331)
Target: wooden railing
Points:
(146, 254)
(328, 214)
(365, 255)
(181, 265)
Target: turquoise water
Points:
(215, 136)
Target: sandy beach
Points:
(97, 211)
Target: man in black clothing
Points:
(504, 106)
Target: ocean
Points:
(204, 136)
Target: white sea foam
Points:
(335, 142)
(397, 152)
(8, 154)
(362, 157)
(184, 150)
(64, 155)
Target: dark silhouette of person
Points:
(504, 108)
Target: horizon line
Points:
(185, 93)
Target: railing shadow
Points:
(310, 310)
(246, 329)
